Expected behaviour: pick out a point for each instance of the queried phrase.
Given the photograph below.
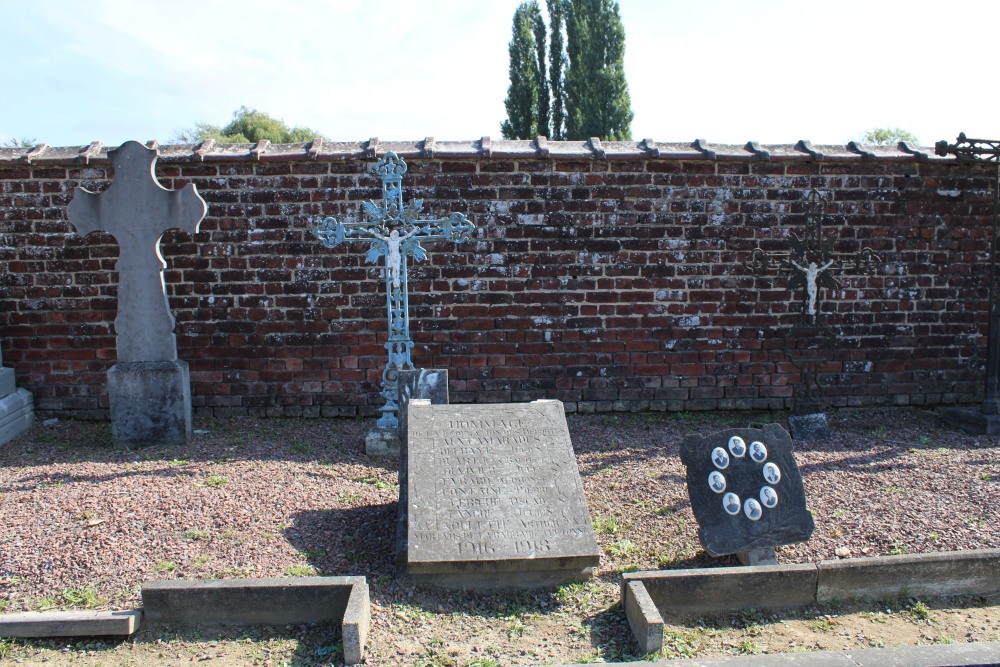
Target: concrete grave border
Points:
(646, 596)
(201, 602)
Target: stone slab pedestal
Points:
(17, 414)
(971, 420)
(150, 403)
(809, 427)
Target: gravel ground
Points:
(84, 525)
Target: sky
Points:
(727, 71)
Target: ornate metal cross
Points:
(986, 150)
(812, 260)
(813, 263)
(394, 232)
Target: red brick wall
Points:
(610, 284)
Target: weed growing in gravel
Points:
(9, 648)
(196, 534)
(349, 497)
(165, 566)
(985, 476)
(215, 481)
(578, 591)
(679, 644)
(301, 447)
(411, 613)
(897, 549)
(840, 513)
(179, 462)
(918, 611)
(609, 526)
(301, 571)
(199, 561)
(749, 647)
(824, 623)
(622, 548)
(85, 597)
(232, 573)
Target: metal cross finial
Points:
(395, 232)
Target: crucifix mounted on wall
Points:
(813, 265)
(812, 260)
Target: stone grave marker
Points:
(746, 492)
(17, 410)
(149, 388)
(495, 498)
(424, 383)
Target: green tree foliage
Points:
(538, 31)
(584, 92)
(557, 65)
(248, 126)
(522, 94)
(888, 136)
(20, 142)
(597, 98)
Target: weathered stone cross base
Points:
(17, 412)
(381, 441)
(972, 420)
(150, 403)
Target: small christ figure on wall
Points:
(812, 261)
(812, 275)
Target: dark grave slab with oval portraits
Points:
(746, 490)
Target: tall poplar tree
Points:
(597, 98)
(557, 65)
(584, 93)
(522, 94)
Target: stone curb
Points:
(264, 602)
(984, 654)
(775, 586)
(70, 623)
(219, 602)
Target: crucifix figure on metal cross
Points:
(394, 232)
(812, 260)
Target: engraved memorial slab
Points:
(746, 490)
(495, 498)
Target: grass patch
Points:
(215, 481)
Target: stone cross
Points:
(394, 232)
(812, 260)
(137, 210)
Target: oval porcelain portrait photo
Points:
(758, 451)
(716, 481)
(720, 458)
(772, 473)
(737, 446)
(731, 503)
